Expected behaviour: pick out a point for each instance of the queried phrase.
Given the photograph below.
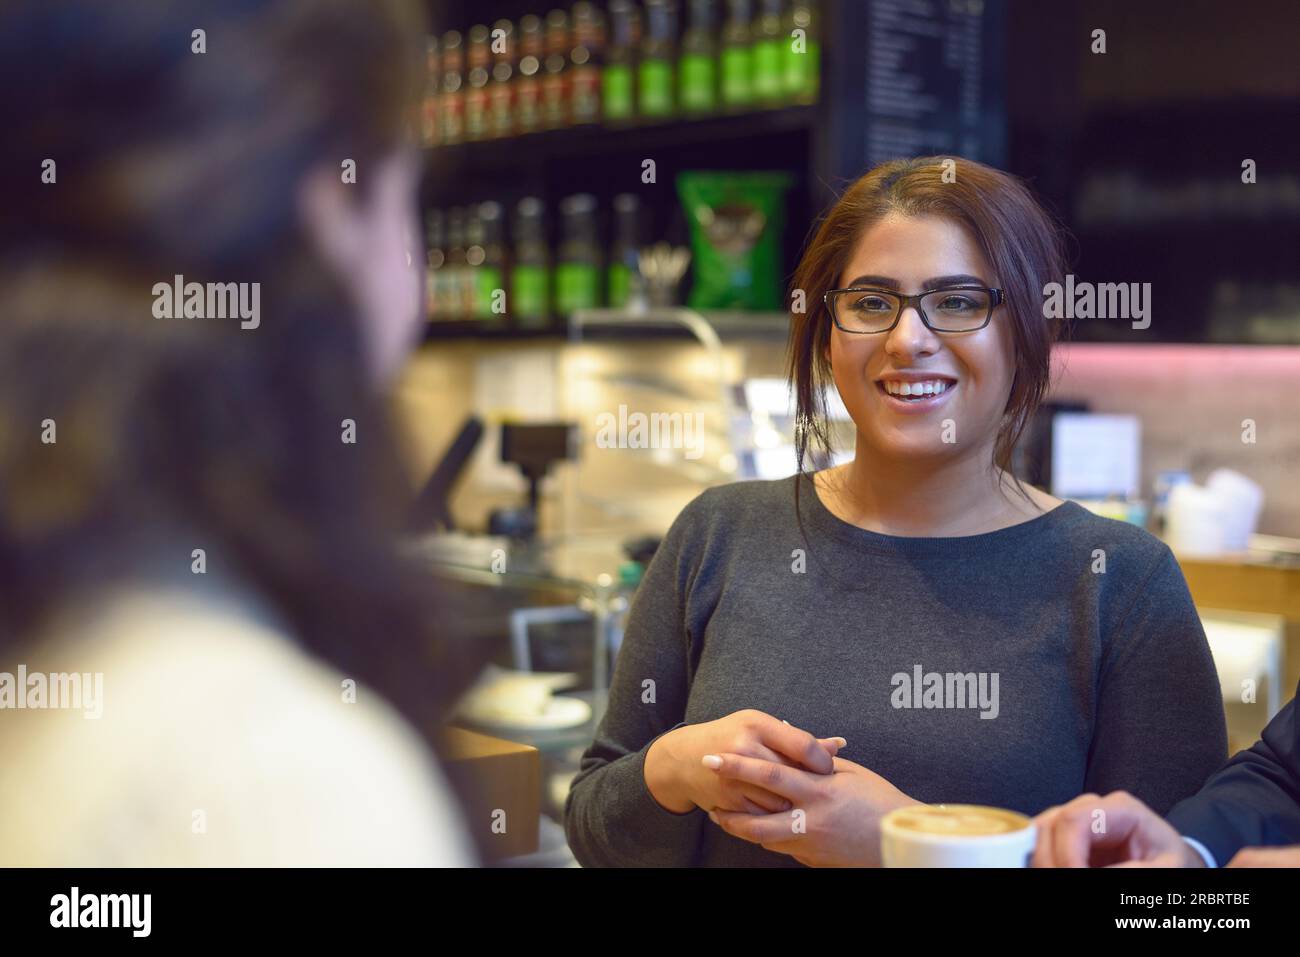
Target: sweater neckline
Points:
(823, 522)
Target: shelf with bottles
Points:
(477, 271)
(627, 66)
(484, 281)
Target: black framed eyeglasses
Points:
(867, 310)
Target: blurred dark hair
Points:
(1018, 238)
(172, 432)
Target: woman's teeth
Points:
(917, 389)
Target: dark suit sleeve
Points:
(1254, 800)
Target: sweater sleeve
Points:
(610, 817)
(1159, 728)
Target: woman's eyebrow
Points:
(938, 282)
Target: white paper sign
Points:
(1094, 456)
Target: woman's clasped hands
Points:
(767, 782)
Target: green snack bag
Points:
(736, 222)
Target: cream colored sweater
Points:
(220, 743)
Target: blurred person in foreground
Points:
(200, 499)
(1246, 815)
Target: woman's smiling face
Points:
(912, 254)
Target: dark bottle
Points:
(452, 95)
(769, 55)
(479, 61)
(490, 274)
(655, 73)
(737, 58)
(456, 266)
(530, 278)
(475, 255)
(697, 71)
(501, 103)
(577, 275)
(555, 72)
(617, 81)
(528, 84)
(435, 236)
(629, 237)
(802, 54)
(429, 105)
(585, 63)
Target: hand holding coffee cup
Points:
(956, 835)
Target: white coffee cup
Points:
(956, 835)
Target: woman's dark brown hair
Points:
(1018, 238)
(173, 434)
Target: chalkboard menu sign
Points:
(934, 79)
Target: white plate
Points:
(562, 712)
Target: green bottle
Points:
(530, 279)
(698, 68)
(628, 239)
(577, 276)
(435, 234)
(770, 45)
(617, 79)
(657, 66)
(474, 258)
(490, 275)
(737, 58)
(456, 269)
(802, 59)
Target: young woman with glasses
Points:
(912, 625)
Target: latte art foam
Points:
(959, 820)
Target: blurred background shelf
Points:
(764, 326)
(594, 144)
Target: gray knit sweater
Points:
(1006, 668)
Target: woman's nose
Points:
(911, 335)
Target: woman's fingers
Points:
(764, 753)
(767, 799)
(790, 783)
(767, 802)
(796, 745)
(832, 745)
(764, 829)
